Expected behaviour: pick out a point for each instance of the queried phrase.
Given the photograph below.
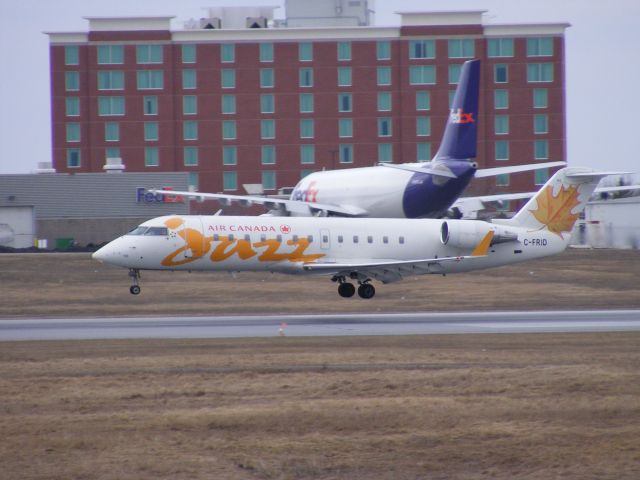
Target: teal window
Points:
(384, 101)
(229, 180)
(422, 49)
(71, 56)
(228, 104)
(73, 158)
(190, 156)
(110, 80)
(423, 126)
(454, 73)
(501, 99)
(72, 105)
(305, 52)
(305, 172)
(345, 102)
(267, 103)
(423, 100)
(385, 152)
(267, 129)
(540, 123)
(344, 51)
(268, 180)
(266, 52)
(452, 95)
(189, 105)
(306, 102)
(112, 131)
(112, 152)
(229, 130)
(502, 150)
(540, 47)
(188, 53)
(150, 105)
(110, 54)
(307, 154)
(306, 77)
(383, 50)
(422, 75)
(189, 80)
(540, 72)
(268, 154)
(500, 73)
(461, 48)
(150, 131)
(384, 127)
(384, 75)
(230, 155)
(266, 77)
(190, 130)
(502, 180)
(110, 106)
(345, 153)
(151, 157)
(344, 76)
(306, 128)
(423, 152)
(72, 81)
(345, 127)
(541, 149)
(501, 124)
(541, 176)
(540, 98)
(192, 181)
(73, 132)
(149, 53)
(150, 79)
(227, 53)
(228, 78)
(500, 47)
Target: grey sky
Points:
(603, 71)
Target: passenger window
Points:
(401, 240)
(385, 239)
(216, 237)
(231, 237)
(247, 237)
(263, 237)
(325, 238)
(370, 239)
(279, 238)
(340, 239)
(294, 238)
(355, 239)
(310, 238)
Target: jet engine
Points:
(468, 233)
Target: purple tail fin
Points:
(460, 135)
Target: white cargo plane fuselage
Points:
(363, 249)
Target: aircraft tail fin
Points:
(460, 135)
(558, 204)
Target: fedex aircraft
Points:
(409, 190)
(356, 249)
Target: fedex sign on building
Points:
(146, 197)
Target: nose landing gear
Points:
(134, 273)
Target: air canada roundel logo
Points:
(285, 228)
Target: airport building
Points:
(238, 97)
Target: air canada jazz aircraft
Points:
(356, 249)
(408, 190)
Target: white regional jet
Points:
(356, 249)
(408, 190)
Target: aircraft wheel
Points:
(346, 290)
(366, 290)
(134, 289)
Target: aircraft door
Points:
(193, 239)
(325, 239)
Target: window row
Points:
(541, 176)
(418, 49)
(540, 124)
(540, 150)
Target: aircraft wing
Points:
(387, 271)
(271, 203)
(438, 170)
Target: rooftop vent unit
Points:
(113, 165)
(45, 167)
(256, 22)
(212, 23)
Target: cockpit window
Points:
(157, 231)
(138, 231)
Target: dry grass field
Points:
(74, 284)
(472, 407)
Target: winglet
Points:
(482, 248)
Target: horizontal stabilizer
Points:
(492, 172)
(438, 170)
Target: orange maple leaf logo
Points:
(555, 212)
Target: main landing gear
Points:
(134, 273)
(347, 290)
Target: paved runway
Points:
(319, 325)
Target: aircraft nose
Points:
(101, 254)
